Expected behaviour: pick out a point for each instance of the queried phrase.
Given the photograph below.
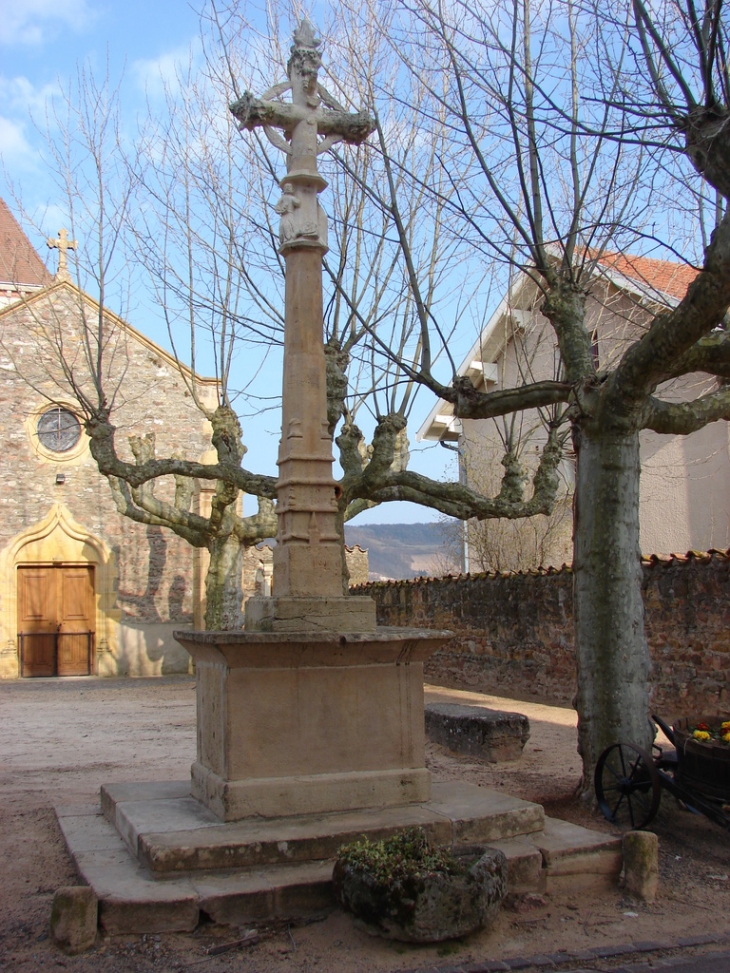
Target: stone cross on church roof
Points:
(62, 244)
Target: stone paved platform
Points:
(158, 861)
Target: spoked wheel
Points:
(627, 784)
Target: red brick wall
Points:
(514, 632)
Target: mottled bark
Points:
(222, 531)
(612, 655)
(223, 590)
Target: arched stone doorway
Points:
(56, 579)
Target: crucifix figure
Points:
(308, 559)
(62, 244)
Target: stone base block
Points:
(331, 614)
(287, 721)
(73, 918)
(274, 797)
(641, 864)
(477, 731)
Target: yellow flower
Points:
(701, 735)
(726, 737)
(726, 726)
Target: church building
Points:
(84, 590)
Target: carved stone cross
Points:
(62, 244)
(309, 590)
(312, 113)
(311, 105)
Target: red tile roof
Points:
(19, 262)
(663, 275)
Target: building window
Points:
(58, 430)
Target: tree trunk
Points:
(223, 585)
(612, 658)
(340, 525)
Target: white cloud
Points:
(15, 147)
(19, 96)
(29, 21)
(166, 72)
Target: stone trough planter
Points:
(401, 888)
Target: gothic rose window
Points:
(58, 430)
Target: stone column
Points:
(309, 558)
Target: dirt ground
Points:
(61, 739)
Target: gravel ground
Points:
(62, 739)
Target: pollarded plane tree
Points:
(551, 180)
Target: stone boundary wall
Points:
(514, 631)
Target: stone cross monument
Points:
(313, 708)
(308, 566)
(311, 720)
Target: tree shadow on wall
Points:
(142, 606)
(176, 600)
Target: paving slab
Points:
(135, 818)
(113, 794)
(130, 900)
(89, 832)
(506, 816)
(525, 872)
(285, 891)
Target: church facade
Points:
(84, 590)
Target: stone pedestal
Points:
(310, 723)
(302, 614)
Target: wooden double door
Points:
(56, 620)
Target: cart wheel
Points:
(627, 784)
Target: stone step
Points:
(171, 833)
(134, 899)
(562, 857)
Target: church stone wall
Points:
(152, 567)
(514, 631)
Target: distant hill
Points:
(397, 551)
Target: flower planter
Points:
(430, 905)
(702, 765)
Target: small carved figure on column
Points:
(286, 208)
(294, 224)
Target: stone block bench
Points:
(477, 731)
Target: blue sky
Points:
(42, 43)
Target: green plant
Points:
(404, 857)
